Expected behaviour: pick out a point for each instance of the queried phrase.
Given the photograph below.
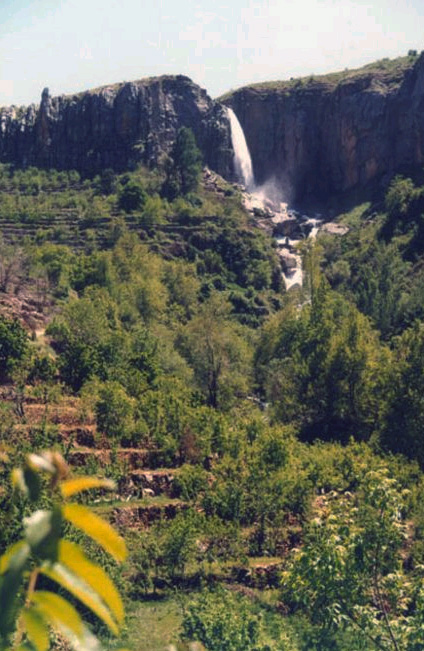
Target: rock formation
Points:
(115, 126)
(328, 134)
(315, 136)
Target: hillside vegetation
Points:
(385, 71)
(267, 446)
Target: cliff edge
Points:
(323, 135)
(116, 126)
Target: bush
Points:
(190, 481)
(114, 410)
(221, 620)
(132, 197)
(13, 345)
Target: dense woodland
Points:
(284, 430)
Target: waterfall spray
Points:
(242, 160)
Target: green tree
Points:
(178, 544)
(13, 345)
(323, 367)
(132, 197)
(221, 620)
(89, 338)
(114, 410)
(184, 168)
(403, 427)
(218, 354)
(348, 574)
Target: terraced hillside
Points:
(251, 433)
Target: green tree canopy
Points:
(13, 344)
(184, 167)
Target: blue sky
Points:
(72, 45)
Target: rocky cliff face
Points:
(116, 126)
(315, 136)
(323, 135)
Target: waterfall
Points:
(242, 160)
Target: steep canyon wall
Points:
(316, 136)
(325, 135)
(115, 126)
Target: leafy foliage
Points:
(348, 573)
(222, 621)
(25, 619)
(184, 167)
(13, 345)
(323, 367)
(131, 197)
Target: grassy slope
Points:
(386, 71)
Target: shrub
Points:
(13, 345)
(132, 197)
(114, 410)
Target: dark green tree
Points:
(404, 430)
(184, 168)
(323, 367)
(13, 345)
(132, 197)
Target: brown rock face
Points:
(116, 126)
(315, 136)
(329, 134)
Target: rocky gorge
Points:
(323, 135)
(315, 136)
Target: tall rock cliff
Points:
(315, 136)
(328, 134)
(115, 126)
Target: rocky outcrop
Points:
(329, 134)
(315, 136)
(116, 127)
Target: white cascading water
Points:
(267, 197)
(242, 160)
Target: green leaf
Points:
(33, 483)
(96, 528)
(36, 629)
(58, 612)
(75, 560)
(27, 481)
(15, 563)
(61, 615)
(42, 532)
(81, 590)
(18, 480)
(79, 484)
(9, 554)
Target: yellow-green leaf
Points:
(9, 555)
(58, 612)
(97, 528)
(79, 484)
(18, 480)
(36, 629)
(75, 560)
(81, 590)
